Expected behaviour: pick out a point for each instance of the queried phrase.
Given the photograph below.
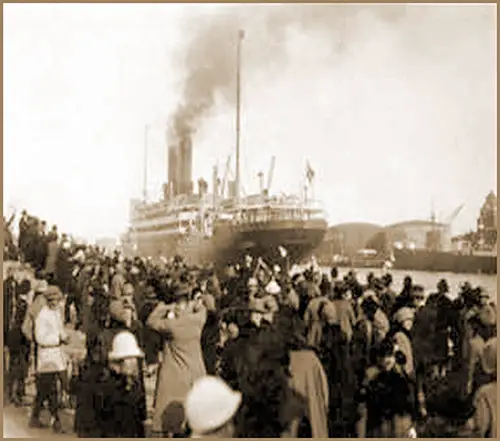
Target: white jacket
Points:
(49, 332)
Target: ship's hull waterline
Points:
(420, 260)
(230, 243)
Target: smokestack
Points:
(172, 170)
(185, 167)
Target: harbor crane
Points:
(454, 214)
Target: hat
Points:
(79, 256)
(125, 346)
(487, 316)
(134, 270)
(442, 285)
(210, 404)
(273, 288)
(41, 286)
(252, 282)
(53, 293)
(370, 294)
(378, 284)
(489, 357)
(150, 293)
(403, 314)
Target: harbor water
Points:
(429, 280)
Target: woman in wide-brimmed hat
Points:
(180, 322)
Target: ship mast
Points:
(241, 35)
(145, 173)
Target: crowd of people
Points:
(250, 350)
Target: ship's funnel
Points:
(185, 167)
(180, 166)
(172, 171)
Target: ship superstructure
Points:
(222, 226)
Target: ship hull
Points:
(435, 261)
(299, 238)
(230, 243)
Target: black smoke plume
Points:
(208, 61)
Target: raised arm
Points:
(158, 320)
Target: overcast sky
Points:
(395, 108)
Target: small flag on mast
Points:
(309, 172)
(241, 34)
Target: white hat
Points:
(403, 314)
(41, 286)
(252, 281)
(79, 256)
(210, 404)
(273, 288)
(125, 346)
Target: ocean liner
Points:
(224, 226)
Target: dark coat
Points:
(64, 269)
(388, 396)
(151, 341)
(9, 291)
(209, 339)
(106, 408)
(16, 341)
(122, 411)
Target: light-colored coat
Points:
(313, 321)
(309, 380)
(49, 333)
(182, 364)
(405, 346)
(485, 417)
(346, 317)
